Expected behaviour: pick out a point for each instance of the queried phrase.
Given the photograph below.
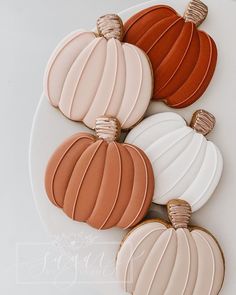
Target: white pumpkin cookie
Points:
(157, 258)
(185, 163)
(94, 74)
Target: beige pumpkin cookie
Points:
(158, 258)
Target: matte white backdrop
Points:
(29, 30)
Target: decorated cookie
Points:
(157, 258)
(97, 180)
(95, 74)
(185, 163)
(183, 58)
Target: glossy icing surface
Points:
(103, 184)
(156, 260)
(183, 58)
(186, 165)
(89, 76)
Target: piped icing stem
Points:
(196, 12)
(203, 122)
(179, 212)
(107, 128)
(110, 26)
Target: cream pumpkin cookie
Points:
(185, 163)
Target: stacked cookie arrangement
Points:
(106, 80)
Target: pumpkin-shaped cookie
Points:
(157, 258)
(95, 74)
(183, 58)
(184, 162)
(97, 180)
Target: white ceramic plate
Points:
(50, 128)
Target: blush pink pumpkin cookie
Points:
(95, 74)
(97, 180)
(158, 258)
(183, 57)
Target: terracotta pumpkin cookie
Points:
(97, 180)
(183, 57)
(157, 258)
(95, 74)
(184, 162)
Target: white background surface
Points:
(29, 31)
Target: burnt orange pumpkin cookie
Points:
(183, 58)
(97, 180)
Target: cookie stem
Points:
(196, 12)
(203, 122)
(179, 212)
(110, 26)
(107, 128)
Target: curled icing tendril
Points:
(107, 128)
(179, 212)
(110, 26)
(203, 122)
(196, 12)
